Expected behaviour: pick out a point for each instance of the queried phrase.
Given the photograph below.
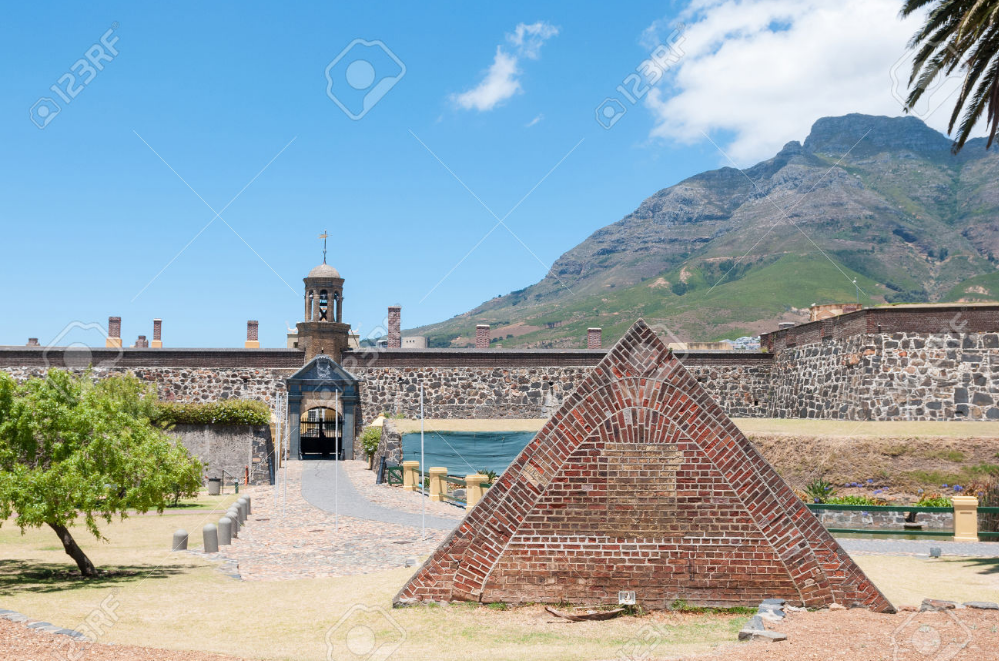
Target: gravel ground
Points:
(860, 635)
(19, 643)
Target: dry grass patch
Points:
(181, 601)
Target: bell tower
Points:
(323, 331)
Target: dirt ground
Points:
(859, 635)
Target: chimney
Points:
(593, 338)
(141, 343)
(157, 334)
(482, 336)
(394, 327)
(33, 342)
(252, 342)
(114, 333)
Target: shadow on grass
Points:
(984, 565)
(18, 576)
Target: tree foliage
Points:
(74, 449)
(959, 34)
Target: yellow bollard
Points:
(473, 489)
(438, 487)
(410, 475)
(965, 518)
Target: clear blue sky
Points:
(93, 220)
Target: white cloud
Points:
(528, 39)
(501, 81)
(757, 73)
(534, 121)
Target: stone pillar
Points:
(294, 427)
(593, 338)
(349, 451)
(410, 475)
(473, 489)
(252, 341)
(438, 487)
(339, 307)
(965, 518)
(33, 342)
(308, 306)
(157, 334)
(394, 327)
(114, 333)
(482, 336)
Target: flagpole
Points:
(423, 501)
(336, 452)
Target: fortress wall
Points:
(390, 382)
(191, 384)
(889, 376)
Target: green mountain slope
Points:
(728, 252)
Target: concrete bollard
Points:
(179, 540)
(410, 475)
(225, 531)
(965, 518)
(211, 537)
(249, 507)
(438, 486)
(473, 489)
(244, 507)
(233, 516)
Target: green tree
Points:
(73, 448)
(965, 34)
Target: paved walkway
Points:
(288, 537)
(324, 481)
(920, 547)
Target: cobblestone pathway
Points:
(288, 538)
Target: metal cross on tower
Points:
(323, 237)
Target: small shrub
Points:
(819, 490)
(933, 500)
(489, 474)
(370, 438)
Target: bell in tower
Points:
(323, 331)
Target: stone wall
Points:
(233, 448)
(740, 386)
(889, 376)
(192, 384)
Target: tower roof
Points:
(324, 271)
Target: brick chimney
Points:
(593, 338)
(482, 336)
(33, 342)
(394, 327)
(252, 341)
(157, 334)
(141, 343)
(114, 333)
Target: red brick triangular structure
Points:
(640, 482)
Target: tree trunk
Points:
(74, 551)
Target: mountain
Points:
(731, 252)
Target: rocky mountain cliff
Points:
(731, 252)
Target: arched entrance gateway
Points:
(322, 404)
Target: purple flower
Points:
(958, 487)
(943, 486)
